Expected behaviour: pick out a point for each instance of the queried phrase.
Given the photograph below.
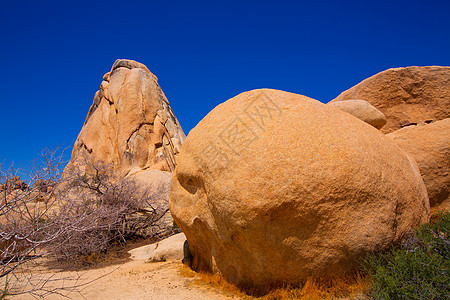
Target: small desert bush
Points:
(418, 269)
(96, 211)
(73, 218)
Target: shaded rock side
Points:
(429, 145)
(363, 110)
(406, 96)
(273, 187)
(130, 123)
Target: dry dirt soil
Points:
(134, 280)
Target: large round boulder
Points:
(273, 187)
(412, 95)
(429, 145)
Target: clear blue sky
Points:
(54, 54)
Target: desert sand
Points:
(136, 280)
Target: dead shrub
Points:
(71, 218)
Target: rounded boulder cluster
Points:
(273, 187)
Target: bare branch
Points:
(67, 217)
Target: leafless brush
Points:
(66, 217)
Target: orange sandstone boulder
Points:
(411, 95)
(273, 187)
(429, 145)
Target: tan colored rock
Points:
(411, 95)
(129, 64)
(14, 183)
(43, 185)
(363, 110)
(429, 145)
(123, 126)
(131, 128)
(107, 76)
(154, 185)
(273, 187)
(169, 248)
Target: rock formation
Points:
(363, 110)
(13, 183)
(406, 96)
(131, 127)
(130, 123)
(156, 185)
(272, 187)
(429, 145)
(169, 248)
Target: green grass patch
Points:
(418, 269)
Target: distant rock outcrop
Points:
(406, 96)
(429, 145)
(363, 110)
(273, 187)
(130, 123)
(131, 129)
(13, 183)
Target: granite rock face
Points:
(272, 187)
(130, 123)
(429, 145)
(132, 132)
(406, 96)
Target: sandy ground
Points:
(137, 277)
(135, 280)
(139, 280)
